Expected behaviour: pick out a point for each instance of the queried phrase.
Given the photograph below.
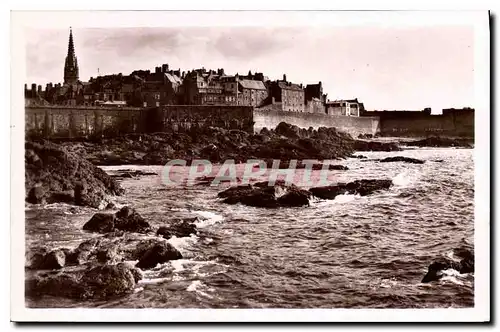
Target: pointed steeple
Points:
(71, 63)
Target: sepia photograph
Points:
(250, 160)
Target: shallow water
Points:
(345, 253)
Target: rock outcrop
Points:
(464, 264)
(178, 228)
(443, 142)
(100, 282)
(358, 187)
(262, 195)
(402, 159)
(126, 219)
(159, 253)
(55, 175)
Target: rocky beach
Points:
(123, 246)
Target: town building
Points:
(314, 98)
(287, 95)
(346, 107)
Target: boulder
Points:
(56, 259)
(262, 195)
(101, 223)
(107, 254)
(183, 228)
(159, 253)
(108, 280)
(56, 173)
(403, 159)
(37, 195)
(360, 145)
(128, 220)
(358, 187)
(463, 264)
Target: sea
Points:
(349, 252)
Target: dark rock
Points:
(294, 198)
(107, 254)
(160, 253)
(287, 130)
(359, 187)
(437, 141)
(179, 229)
(262, 195)
(37, 195)
(63, 175)
(56, 259)
(403, 159)
(108, 281)
(338, 167)
(128, 220)
(100, 223)
(359, 156)
(110, 206)
(465, 265)
(67, 196)
(375, 146)
(85, 196)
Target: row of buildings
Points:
(165, 86)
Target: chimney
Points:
(33, 90)
(25, 90)
(284, 77)
(157, 70)
(39, 91)
(164, 68)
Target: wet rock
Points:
(375, 146)
(437, 141)
(464, 264)
(182, 228)
(61, 285)
(130, 174)
(160, 253)
(56, 174)
(107, 254)
(358, 187)
(56, 259)
(403, 159)
(37, 195)
(99, 283)
(110, 206)
(128, 220)
(66, 196)
(262, 195)
(100, 223)
(86, 196)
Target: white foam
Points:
(405, 179)
(196, 286)
(339, 199)
(152, 281)
(182, 242)
(208, 218)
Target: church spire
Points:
(71, 63)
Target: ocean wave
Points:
(200, 288)
(208, 218)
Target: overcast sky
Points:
(407, 68)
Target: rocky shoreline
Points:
(111, 263)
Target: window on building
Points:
(157, 104)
